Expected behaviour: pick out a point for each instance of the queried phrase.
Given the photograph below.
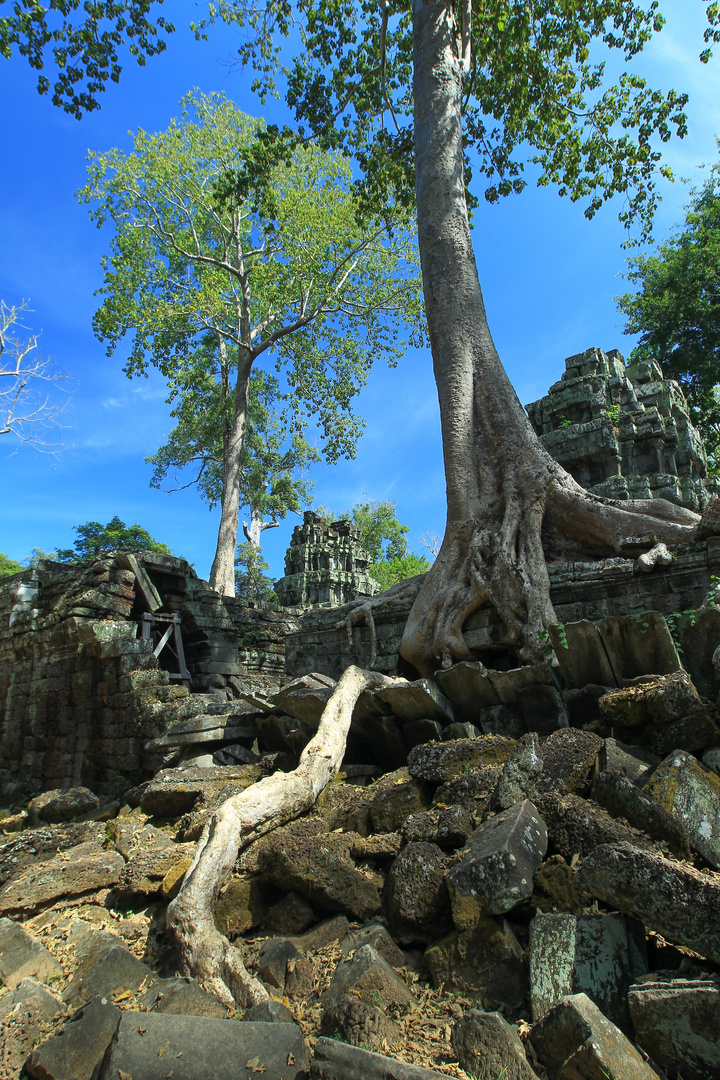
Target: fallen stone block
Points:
(690, 793)
(323, 934)
(235, 754)
(677, 1024)
(542, 708)
(487, 1047)
(183, 997)
(107, 969)
(673, 899)
(147, 868)
(241, 905)
(74, 872)
(415, 898)
(508, 684)
(335, 1060)
(375, 934)
(28, 1015)
(561, 764)
(440, 762)
(369, 977)
(577, 826)
(305, 698)
(556, 888)
(270, 1012)
(581, 655)
(461, 731)
(631, 761)
(176, 791)
(447, 826)
(418, 732)
(290, 915)
(61, 805)
(394, 798)
(418, 700)
(487, 960)
(272, 961)
(76, 1052)
(497, 871)
(471, 791)
(151, 1045)
(504, 721)
(302, 858)
(639, 646)
(621, 798)
(22, 956)
(574, 1041)
(583, 706)
(662, 714)
(469, 689)
(599, 955)
(228, 727)
(700, 636)
(358, 1023)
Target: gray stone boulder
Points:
(560, 764)
(70, 874)
(418, 700)
(151, 1045)
(471, 791)
(487, 960)
(447, 826)
(439, 762)
(335, 1060)
(599, 955)
(574, 1041)
(367, 976)
(358, 1023)
(105, 968)
(577, 826)
(690, 793)
(76, 1052)
(661, 713)
(673, 899)
(487, 1047)
(394, 798)
(542, 708)
(375, 934)
(62, 805)
(621, 798)
(677, 1024)
(37, 845)
(496, 872)
(415, 898)
(272, 962)
(22, 956)
(29, 1015)
(182, 996)
(173, 792)
(634, 763)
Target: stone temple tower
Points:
(623, 431)
(325, 564)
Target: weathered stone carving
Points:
(325, 564)
(623, 431)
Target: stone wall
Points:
(81, 693)
(580, 590)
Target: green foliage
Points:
(94, 538)
(676, 310)
(251, 582)
(273, 465)
(389, 572)
(537, 91)
(381, 534)
(83, 50)
(8, 567)
(613, 414)
(269, 262)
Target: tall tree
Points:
(273, 465)
(94, 538)
(268, 257)
(676, 310)
(407, 90)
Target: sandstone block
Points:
(150, 1045)
(599, 955)
(337, 1061)
(440, 762)
(71, 873)
(639, 646)
(662, 714)
(487, 1047)
(487, 960)
(369, 977)
(690, 793)
(419, 700)
(358, 1023)
(469, 689)
(677, 1024)
(542, 708)
(62, 805)
(677, 901)
(182, 997)
(581, 655)
(497, 871)
(574, 1041)
(77, 1051)
(561, 764)
(375, 934)
(622, 799)
(272, 961)
(22, 956)
(416, 897)
(106, 968)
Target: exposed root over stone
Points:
(204, 952)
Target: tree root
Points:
(363, 611)
(204, 952)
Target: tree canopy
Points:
(81, 44)
(383, 537)
(273, 264)
(676, 309)
(8, 566)
(31, 395)
(93, 538)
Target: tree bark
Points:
(222, 574)
(506, 497)
(257, 527)
(204, 952)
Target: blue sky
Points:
(549, 278)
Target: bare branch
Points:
(27, 406)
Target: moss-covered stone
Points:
(690, 792)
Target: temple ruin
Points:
(325, 564)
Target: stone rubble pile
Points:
(515, 874)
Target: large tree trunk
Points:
(203, 951)
(506, 496)
(253, 532)
(222, 574)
